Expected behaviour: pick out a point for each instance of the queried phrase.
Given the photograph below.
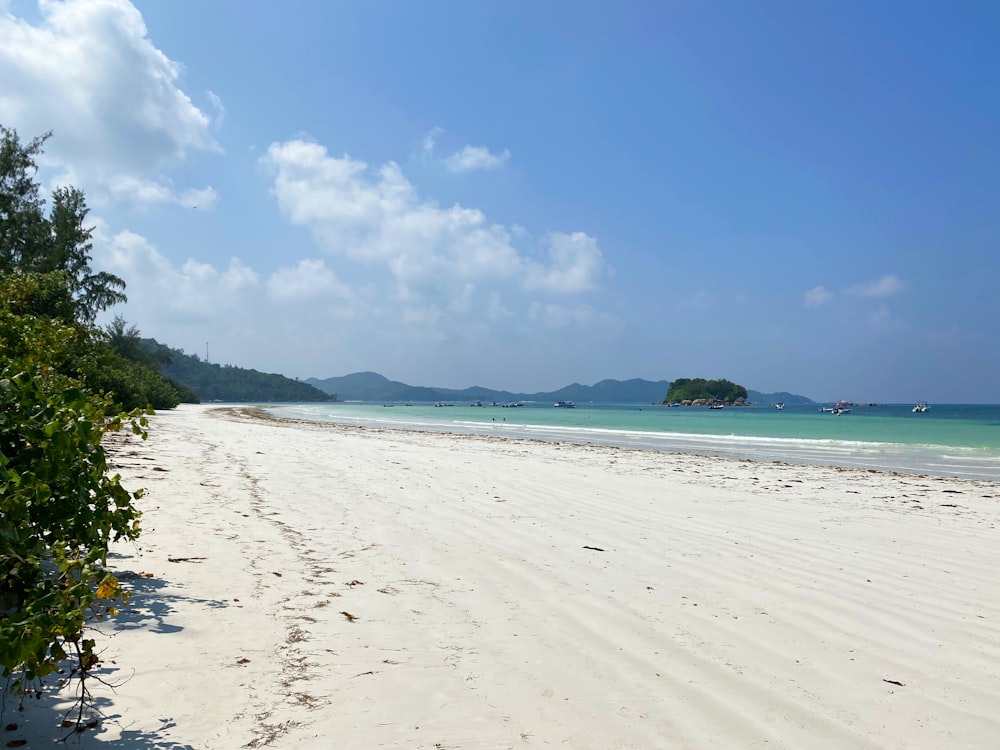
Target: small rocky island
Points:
(701, 392)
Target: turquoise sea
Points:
(955, 440)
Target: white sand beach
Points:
(316, 586)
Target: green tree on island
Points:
(699, 389)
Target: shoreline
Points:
(300, 583)
(714, 447)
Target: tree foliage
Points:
(33, 242)
(63, 386)
(105, 363)
(213, 382)
(61, 507)
(693, 389)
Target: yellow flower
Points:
(108, 588)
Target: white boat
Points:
(921, 408)
(779, 406)
(565, 404)
(841, 407)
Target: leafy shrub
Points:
(60, 506)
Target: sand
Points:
(301, 586)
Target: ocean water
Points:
(954, 440)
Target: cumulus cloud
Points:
(307, 280)
(91, 64)
(192, 291)
(576, 265)
(278, 321)
(193, 296)
(377, 217)
(472, 158)
(469, 158)
(818, 295)
(883, 287)
(142, 192)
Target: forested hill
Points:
(213, 382)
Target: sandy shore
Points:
(312, 586)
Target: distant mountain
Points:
(634, 391)
(212, 382)
(370, 386)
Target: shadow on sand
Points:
(39, 721)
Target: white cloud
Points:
(472, 158)
(202, 199)
(307, 280)
(220, 110)
(281, 321)
(561, 316)
(123, 188)
(883, 287)
(89, 72)
(431, 252)
(193, 291)
(469, 158)
(431, 137)
(186, 304)
(577, 265)
(886, 286)
(818, 295)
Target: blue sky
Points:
(795, 196)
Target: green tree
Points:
(125, 339)
(30, 241)
(22, 224)
(68, 249)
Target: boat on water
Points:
(564, 404)
(841, 407)
(921, 407)
(779, 406)
(716, 406)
